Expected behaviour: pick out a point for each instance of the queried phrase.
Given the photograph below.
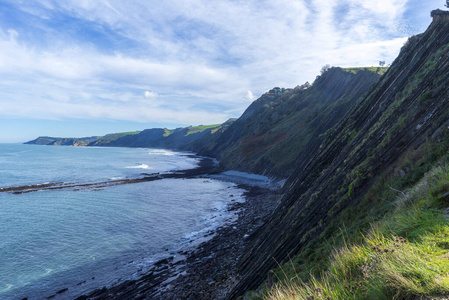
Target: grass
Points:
(404, 255)
(377, 202)
(201, 128)
(114, 136)
(378, 70)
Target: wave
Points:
(162, 152)
(140, 166)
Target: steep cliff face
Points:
(404, 115)
(284, 125)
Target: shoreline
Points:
(209, 270)
(207, 267)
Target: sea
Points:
(76, 240)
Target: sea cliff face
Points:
(283, 126)
(395, 131)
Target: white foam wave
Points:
(140, 166)
(48, 271)
(162, 152)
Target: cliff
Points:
(164, 138)
(55, 141)
(282, 127)
(178, 138)
(385, 144)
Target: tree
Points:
(382, 62)
(447, 3)
(327, 67)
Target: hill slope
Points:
(153, 138)
(283, 126)
(164, 138)
(385, 144)
(55, 141)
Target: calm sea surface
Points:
(86, 239)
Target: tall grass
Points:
(404, 256)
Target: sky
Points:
(75, 68)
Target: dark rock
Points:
(444, 197)
(62, 291)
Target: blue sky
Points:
(78, 68)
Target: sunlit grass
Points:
(201, 128)
(378, 70)
(405, 255)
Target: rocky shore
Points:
(209, 270)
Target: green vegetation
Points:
(110, 138)
(46, 139)
(201, 128)
(378, 70)
(282, 123)
(167, 132)
(403, 255)
(394, 244)
(115, 136)
(179, 138)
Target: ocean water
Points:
(83, 239)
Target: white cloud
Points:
(150, 95)
(249, 96)
(200, 56)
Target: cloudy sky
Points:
(90, 67)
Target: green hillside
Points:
(378, 70)
(366, 217)
(284, 124)
(401, 256)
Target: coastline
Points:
(207, 270)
